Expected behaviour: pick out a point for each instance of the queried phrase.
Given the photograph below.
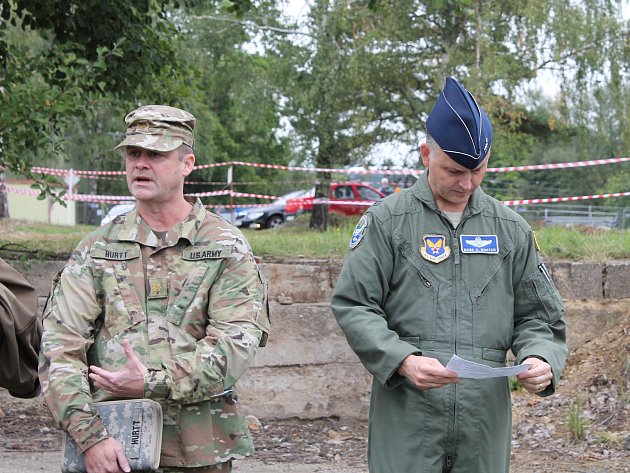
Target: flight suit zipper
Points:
(448, 463)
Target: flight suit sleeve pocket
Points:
(542, 292)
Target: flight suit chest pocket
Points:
(197, 271)
(115, 266)
(416, 290)
(492, 304)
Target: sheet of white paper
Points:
(470, 369)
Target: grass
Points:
(584, 243)
(577, 423)
(39, 240)
(24, 239)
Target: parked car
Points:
(268, 216)
(375, 178)
(357, 192)
(300, 203)
(117, 210)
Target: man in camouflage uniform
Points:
(165, 302)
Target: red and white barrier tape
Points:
(19, 190)
(362, 203)
(550, 200)
(115, 199)
(530, 167)
(218, 207)
(577, 164)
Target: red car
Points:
(358, 192)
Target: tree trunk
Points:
(319, 215)
(4, 200)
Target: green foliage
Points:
(42, 88)
(515, 385)
(362, 74)
(583, 243)
(141, 31)
(576, 421)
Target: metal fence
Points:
(574, 215)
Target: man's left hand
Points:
(128, 382)
(537, 377)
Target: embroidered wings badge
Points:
(478, 242)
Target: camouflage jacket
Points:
(194, 306)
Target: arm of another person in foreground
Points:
(20, 334)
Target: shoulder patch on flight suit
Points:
(116, 251)
(434, 248)
(213, 251)
(359, 232)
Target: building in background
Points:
(24, 205)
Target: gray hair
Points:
(433, 146)
(184, 150)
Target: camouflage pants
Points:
(218, 468)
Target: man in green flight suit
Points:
(440, 269)
(165, 302)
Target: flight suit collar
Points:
(136, 229)
(422, 191)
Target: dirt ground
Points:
(583, 428)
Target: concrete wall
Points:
(307, 369)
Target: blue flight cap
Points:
(460, 126)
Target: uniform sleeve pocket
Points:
(541, 291)
(48, 306)
(262, 308)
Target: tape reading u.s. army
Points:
(215, 251)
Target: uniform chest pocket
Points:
(115, 266)
(493, 301)
(190, 286)
(416, 290)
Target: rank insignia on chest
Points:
(485, 244)
(158, 288)
(434, 248)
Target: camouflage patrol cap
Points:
(159, 128)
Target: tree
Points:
(369, 72)
(234, 100)
(63, 73)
